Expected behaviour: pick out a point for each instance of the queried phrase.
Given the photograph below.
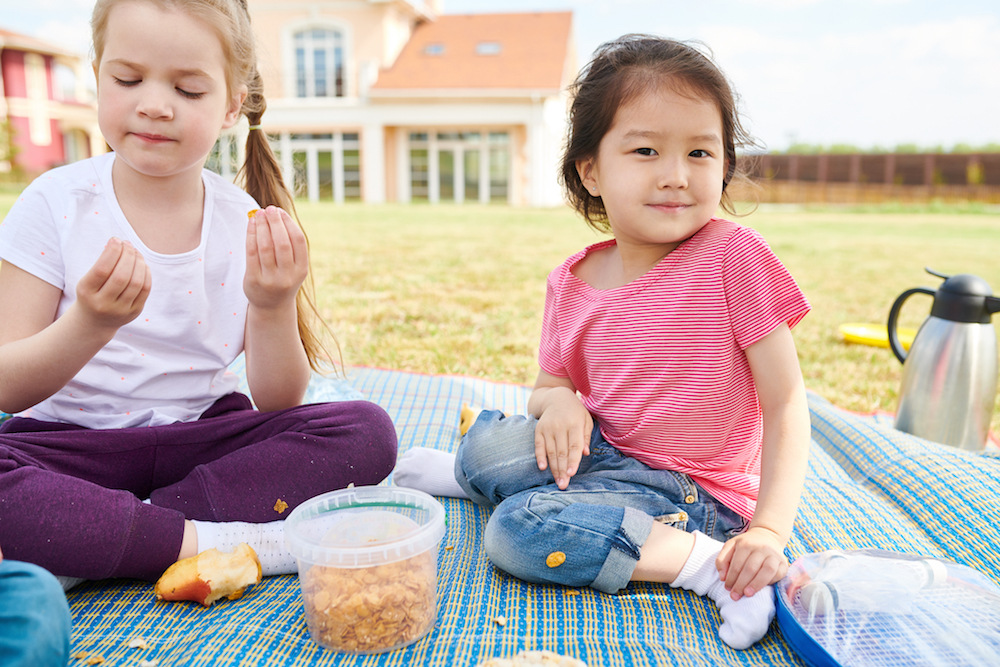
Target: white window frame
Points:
(290, 66)
(434, 146)
(336, 144)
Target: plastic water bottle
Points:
(868, 584)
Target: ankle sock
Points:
(267, 539)
(429, 470)
(68, 582)
(744, 621)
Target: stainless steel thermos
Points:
(950, 374)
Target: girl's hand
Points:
(562, 435)
(751, 561)
(277, 259)
(113, 292)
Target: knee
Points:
(503, 541)
(522, 534)
(34, 616)
(380, 432)
(377, 422)
(360, 432)
(495, 439)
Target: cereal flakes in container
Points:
(367, 560)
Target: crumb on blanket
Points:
(534, 659)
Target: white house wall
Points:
(542, 119)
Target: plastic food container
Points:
(367, 559)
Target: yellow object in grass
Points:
(875, 334)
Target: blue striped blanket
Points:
(867, 486)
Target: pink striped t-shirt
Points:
(660, 361)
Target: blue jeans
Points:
(600, 521)
(34, 617)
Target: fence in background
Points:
(875, 178)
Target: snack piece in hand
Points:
(210, 575)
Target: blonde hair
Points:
(260, 174)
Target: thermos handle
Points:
(897, 347)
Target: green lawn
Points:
(460, 289)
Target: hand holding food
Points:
(277, 258)
(113, 292)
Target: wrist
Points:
(543, 398)
(278, 312)
(774, 534)
(87, 328)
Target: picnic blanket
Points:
(867, 485)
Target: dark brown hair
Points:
(619, 72)
(260, 174)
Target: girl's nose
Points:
(154, 104)
(673, 174)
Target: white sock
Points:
(429, 470)
(744, 621)
(267, 539)
(68, 582)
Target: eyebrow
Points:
(647, 134)
(182, 72)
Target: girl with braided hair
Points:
(136, 279)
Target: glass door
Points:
(446, 175)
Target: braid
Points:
(261, 175)
(262, 179)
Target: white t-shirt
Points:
(169, 364)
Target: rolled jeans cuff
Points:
(617, 570)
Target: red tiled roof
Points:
(483, 51)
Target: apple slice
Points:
(210, 575)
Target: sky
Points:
(867, 73)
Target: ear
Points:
(587, 169)
(97, 79)
(235, 106)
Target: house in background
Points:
(50, 115)
(391, 100)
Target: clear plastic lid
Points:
(364, 526)
(873, 608)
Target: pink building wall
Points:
(31, 158)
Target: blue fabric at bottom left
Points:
(34, 617)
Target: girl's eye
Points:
(123, 82)
(190, 96)
(646, 151)
(699, 153)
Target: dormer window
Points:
(319, 63)
(488, 49)
(434, 50)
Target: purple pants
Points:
(71, 497)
